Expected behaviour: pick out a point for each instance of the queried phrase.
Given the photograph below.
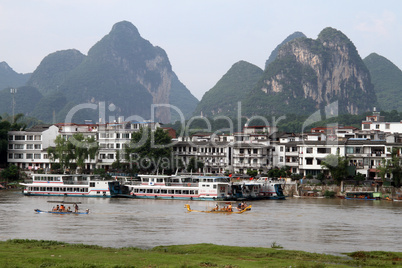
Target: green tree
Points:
(384, 168)
(392, 166)
(11, 173)
(337, 166)
(150, 151)
(194, 165)
(82, 148)
(320, 177)
(252, 172)
(396, 168)
(77, 148)
(61, 152)
(276, 173)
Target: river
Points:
(331, 226)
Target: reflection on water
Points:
(314, 225)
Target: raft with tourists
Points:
(63, 208)
(225, 208)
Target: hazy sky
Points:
(202, 38)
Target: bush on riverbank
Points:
(33, 253)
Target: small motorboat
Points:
(222, 210)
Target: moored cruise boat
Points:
(174, 187)
(66, 185)
(263, 188)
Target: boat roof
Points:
(64, 202)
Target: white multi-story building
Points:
(113, 138)
(27, 149)
(376, 122)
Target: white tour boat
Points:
(174, 187)
(263, 188)
(67, 185)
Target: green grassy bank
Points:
(32, 253)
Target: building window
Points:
(29, 156)
(309, 161)
(30, 138)
(19, 146)
(10, 137)
(281, 149)
(309, 150)
(37, 156)
(18, 156)
(10, 156)
(324, 150)
(29, 146)
(104, 135)
(117, 145)
(38, 146)
(366, 126)
(377, 126)
(10, 146)
(350, 150)
(38, 137)
(45, 156)
(19, 137)
(281, 159)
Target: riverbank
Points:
(312, 190)
(34, 253)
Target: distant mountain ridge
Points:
(128, 73)
(233, 87)
(274, 53)
(387, 80)
(309, 74)
(10, 78)
(303, 76)
(123, 70)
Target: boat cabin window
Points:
(159, 180)
(214, 186)
(91, 184)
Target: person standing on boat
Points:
(75, 207)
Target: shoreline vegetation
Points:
(43, 253)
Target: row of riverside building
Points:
(259, 148)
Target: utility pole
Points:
(13, 91)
